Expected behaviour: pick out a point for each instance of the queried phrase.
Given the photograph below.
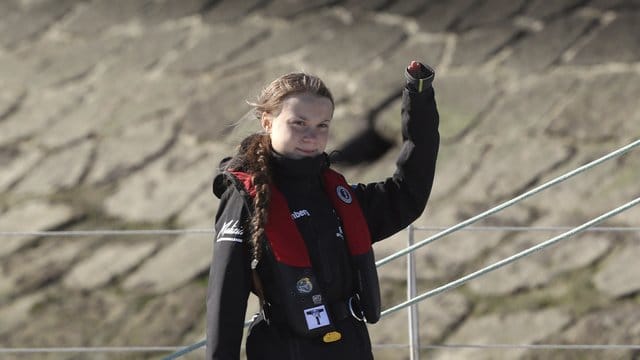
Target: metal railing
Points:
(412, 299)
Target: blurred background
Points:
(115, 114)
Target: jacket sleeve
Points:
(229, 280)
(392, 204)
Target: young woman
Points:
(291, 230)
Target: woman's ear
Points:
(265, 121)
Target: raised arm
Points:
(392, 204)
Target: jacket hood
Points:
(220, 183)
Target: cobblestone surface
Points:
(114, 115)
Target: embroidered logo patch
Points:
(231, 231)
(344, 194)
(316, 317)
(304, 285)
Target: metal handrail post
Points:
(414, 328)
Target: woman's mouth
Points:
(307, 152)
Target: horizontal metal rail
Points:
(519, 346)
(163, 232)
(88, 349)
(151, 349)
(147, 232)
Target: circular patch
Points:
(304, 285)
(344, 194)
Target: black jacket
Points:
(388, 206)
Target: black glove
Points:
(420, 80)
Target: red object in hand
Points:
(414, 67)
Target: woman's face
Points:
(301, 128)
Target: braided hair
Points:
(255, 149)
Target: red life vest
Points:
(286, 241)
(294, 269)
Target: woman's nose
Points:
(310, 133)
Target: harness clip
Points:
(356, 313)
(266, 313)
